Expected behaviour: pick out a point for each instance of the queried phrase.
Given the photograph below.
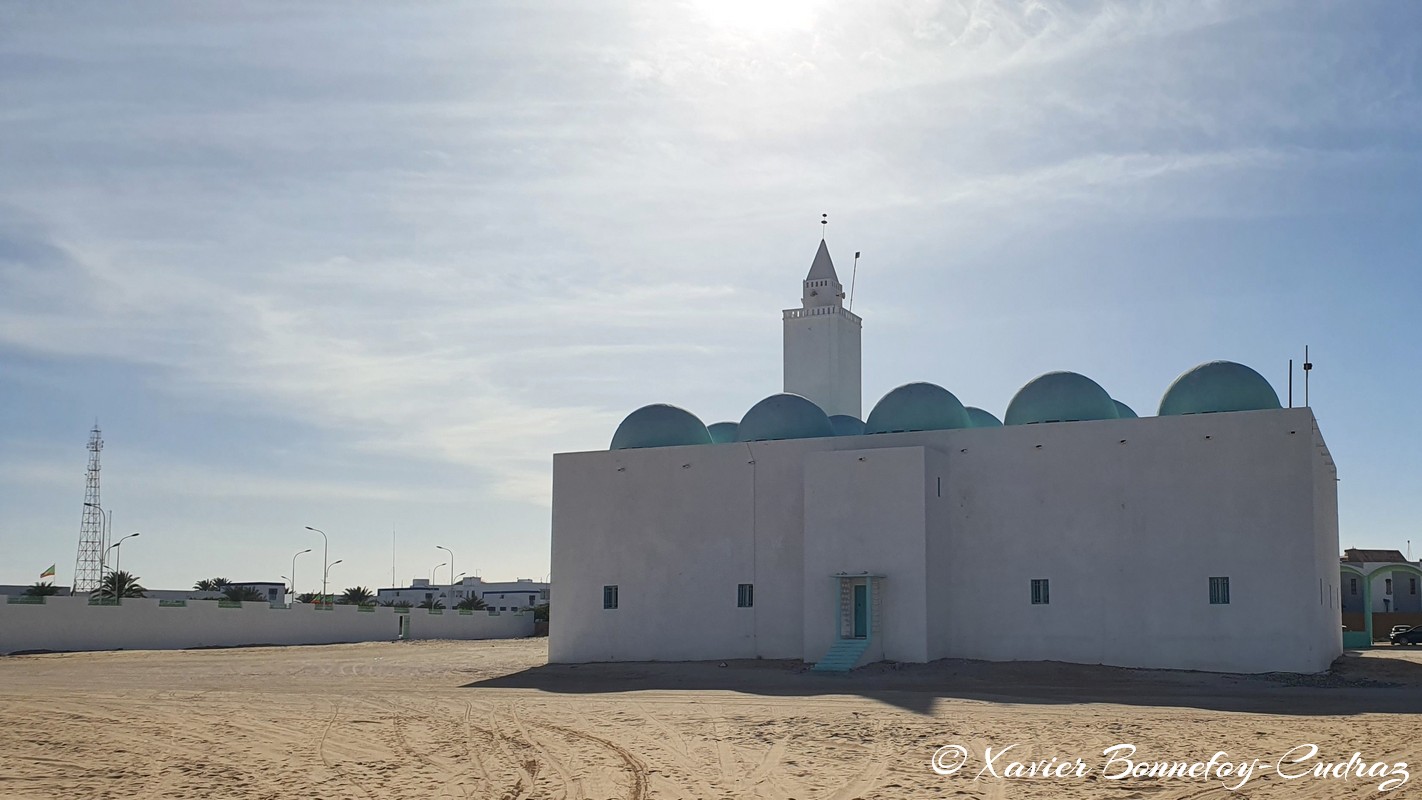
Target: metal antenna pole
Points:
(1308, 367)
(824, 220)
(1291, 383)
(853, 276)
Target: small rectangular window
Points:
(1040, 595)
(609, 597)
(1413, 583)
(745, 595)
(1352, 586)
(1388, 584)
(1219, 591)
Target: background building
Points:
(501, 596)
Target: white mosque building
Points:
(1205, 537)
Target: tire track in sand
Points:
(635, 768)
(321, 751)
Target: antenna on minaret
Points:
(824, 220)
(1308, 367)
(852, 276)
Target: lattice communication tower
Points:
(89, 564)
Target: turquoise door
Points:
(861, 610)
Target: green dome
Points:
(1060, 397)
(982, 419)
(1218, 386)
(846, 425)
(917, 407)
(723, 432)
(1124, 411)
(784, 416)
(659, 425)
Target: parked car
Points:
(1409, 636)
(1396, 629)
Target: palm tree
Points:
(306, 597)
(212, 584)
(395, 603)
(471, 604)
(242, 594)
(431, 604)
(42, 589)
(357, 596)
(120, 584)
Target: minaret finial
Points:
(824, 220)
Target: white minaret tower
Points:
(822, 342)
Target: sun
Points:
(757, 16)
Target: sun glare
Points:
(757, 16)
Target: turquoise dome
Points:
(1060, 397)
(659, 425)
(1124, 411)
(982, 419)
(845, 425)
(1218, 386)
(784, 416)
(723, 432)
(917, 407)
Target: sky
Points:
(366, 267)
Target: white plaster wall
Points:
(677, 529)
(822, 362)
(1128, 532)
(864, 512)
(70, 623)
(1129, 519)
(938, 553)
(1328, 626)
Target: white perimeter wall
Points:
(1128, 532)
(70, 623)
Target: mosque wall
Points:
(865, 512)
(1127, 519)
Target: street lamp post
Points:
(451, 562)
(323, 579)
(432, 571)
(325, 560)
(117, 555)
(293, 575)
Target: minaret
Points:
(822, 342)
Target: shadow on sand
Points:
(1355, 685)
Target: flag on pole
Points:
(49, 573)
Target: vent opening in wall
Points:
(745, 595)
(1219, 591)
(1040, 593)
(609, 596)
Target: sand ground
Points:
(492, 720)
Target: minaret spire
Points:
(822, 339)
